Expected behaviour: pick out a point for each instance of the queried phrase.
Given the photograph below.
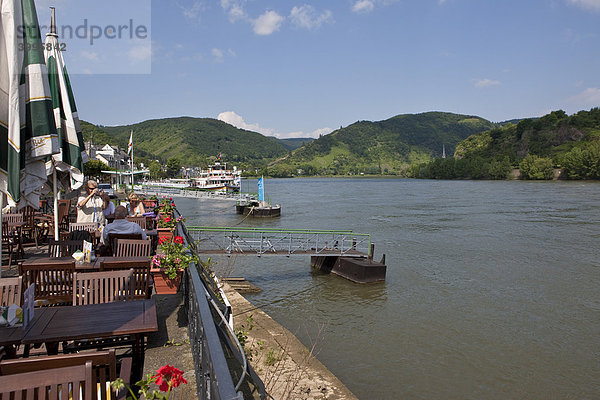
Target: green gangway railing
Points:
(288, 242)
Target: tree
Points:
(537, 168)
(93, 168)
(173, 167)
(155, 170)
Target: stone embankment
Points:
(288, 369)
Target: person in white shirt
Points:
(121, 225)
(89, 207)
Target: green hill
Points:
(535, 146)
(381, 147)
(294, 143)
(192, 140)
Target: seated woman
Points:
(108, 208)
(136, 207)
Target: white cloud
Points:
(587, 4)
(232, 118)
(363, 6)
(191, 11)
(90, 55)
(218, 55)
(236, 120)
(267, 23)
(589, 97)
(306, 16)
(141, 52)
(482, 83)
(234, 9)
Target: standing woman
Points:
(136, 207)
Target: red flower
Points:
(178, 239)
(173, 204)
(163, 240)
(168, 376)
(167, 219)
(170, 198)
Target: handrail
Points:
(274, 230)
(207, 337)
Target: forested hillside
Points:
(535, 146)
(386, 147)
(191, 140)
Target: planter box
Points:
(163, 284)
(165, 233)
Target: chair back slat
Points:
(10, 291)
(43, 384)
(12, 218)
(133, 248)
(112, 238)
(140, 220)
(83, 226)
(63, 248)
(52, 282)
(102, 287)
(141, 274)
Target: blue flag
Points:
(261, 190)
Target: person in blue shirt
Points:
(121, 225)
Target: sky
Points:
(304, 68)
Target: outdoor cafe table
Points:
(49, 261)
(52, 325)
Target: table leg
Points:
(52, 348)
(138, 357)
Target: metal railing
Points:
(288, 242)
(218, 376)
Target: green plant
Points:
(272, 357)
(173, 256)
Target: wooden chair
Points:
(111, 240)
(12, 218)
(63, 248)
(51, 384)
(30, 229)
(8, 242)
(104, 369)
(142, 279)
(102, 287)
(10, 291)
(140, 220)
(53, 283)
(133, 248)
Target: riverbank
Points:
(288, 369)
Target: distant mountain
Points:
(194, 141)
(387, 146)
(294, 143)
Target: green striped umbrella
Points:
(27, 130)
(68, 164)
(72, 154)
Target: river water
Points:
(492, 288)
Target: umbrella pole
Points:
(54, 188)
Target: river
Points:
(492, 288)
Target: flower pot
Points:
(163, 284)
(165, 233)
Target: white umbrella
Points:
(27, 129)
(69, 162)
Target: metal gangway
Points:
(288, 242)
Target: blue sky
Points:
(301, 68)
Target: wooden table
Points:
(49, 261)
(52, 325)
